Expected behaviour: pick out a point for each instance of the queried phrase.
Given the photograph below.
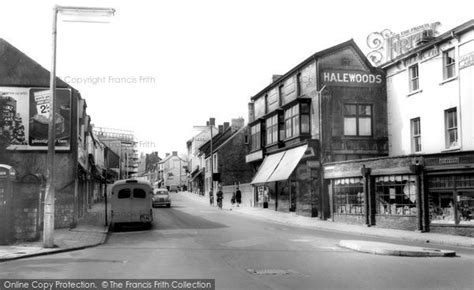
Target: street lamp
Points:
(98, 15)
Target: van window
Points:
(124, 193)
(139, 193)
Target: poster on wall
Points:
(24, 114)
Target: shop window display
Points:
(396, 195)
(349, 196)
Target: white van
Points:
(131, 202)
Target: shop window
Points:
(451, 125)
(415, 135)
(357, 120)
(255, 137)
(272, 130)
(413, 78)
(395, 195)
(449, 64)
(348, 196)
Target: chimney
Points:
(212, 121)
(236, 124)
(175, 153)
(276, 77)
(167, 154)
(207, 123)
(226, 125)
(221, 128)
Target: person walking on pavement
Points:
(220, 197)
(238, 196)
(211, 198)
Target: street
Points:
(193, 240)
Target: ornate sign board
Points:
(386, 45)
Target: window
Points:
(304, 118)
(246, 139)
(451, 125)
(357, 120)
(395, 195)
(449, 64)
(415, 135)
(292, 119)
(139, 193)
(414, 78)
(348, 196)
(272, 130)
(124, 193)
(255, 137)
(214, 166)
(273, 100)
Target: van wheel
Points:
(116, 227)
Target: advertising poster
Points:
(24, 118)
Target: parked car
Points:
(131, 202)
(174, 188)
(161, 197)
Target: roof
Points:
(231, 137)
(19, 70)
(217, 140)
(131, 181)
(443, 37)
(318, 54)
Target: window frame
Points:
(271, 130)
(416, 136)
(255, 137)
(447, 114)
(292, 121)
(348, 196)
(395, 201)
(358, 116)
(449, 67)
(414, 79)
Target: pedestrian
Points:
(232, 200)
(220, 197)
(238, 196)
(211, 198)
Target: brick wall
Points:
(349, 219)
(407, 223)
(453, 230)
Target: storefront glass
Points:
(348, 196)
(451, 199)
(395, 195)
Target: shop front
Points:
(286, 182)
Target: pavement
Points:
(89, 232)
(432, 239)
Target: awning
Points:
(268, 166)
(287, 164)
(279, 166)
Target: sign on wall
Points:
(350, 78)
(24, 114)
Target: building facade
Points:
(330, 107)
(427, 183)
(173, 170)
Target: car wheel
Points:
(169, 205)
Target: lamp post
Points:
(211, 124)
(48, 224)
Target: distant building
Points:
(172, 170)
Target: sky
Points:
(161, 67)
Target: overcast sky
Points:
(161, 67)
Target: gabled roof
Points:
(19, 70)
(216, 141)
(443, 37)
(230, 138)
(316, 55)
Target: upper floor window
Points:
(415, 135)
(272, 129)
(449, 64)
(357, 120)
(451, 125)
(414, 77)
(297, 120)
(255, 137)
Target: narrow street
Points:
(193, 240)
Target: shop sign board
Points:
(24, 118)
(350, 78)
(466, 60)
(387, 45)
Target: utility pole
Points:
(211, 124)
